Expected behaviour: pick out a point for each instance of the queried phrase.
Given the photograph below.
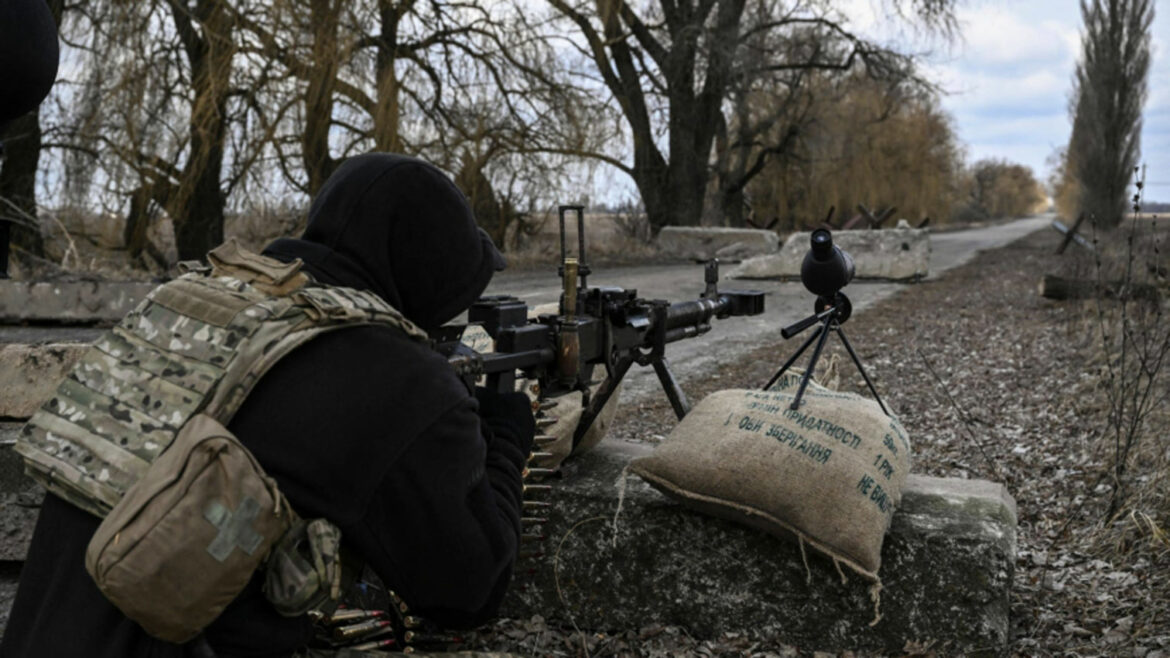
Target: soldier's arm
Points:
(444, 526)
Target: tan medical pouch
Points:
(187, 537)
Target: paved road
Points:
(786, 302)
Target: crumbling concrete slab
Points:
(707, 242)
(75, 302)
(29, 374)
(892, 254)
(947, 568)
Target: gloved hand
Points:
(507, 415)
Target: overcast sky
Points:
(1008, 79)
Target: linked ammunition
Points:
(412, 622)
(542, 423)
(548, 404)
(528, 539)
(354, 631)
(536, 488)
(402, 607)
(536, 504)
(539, 455)
(414, 637)
(374, 646)
(539, 472)
(544, 440)
(352, 615)
(532, 520)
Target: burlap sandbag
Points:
(831, 473)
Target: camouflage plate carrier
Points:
(192, 350)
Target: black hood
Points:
(28, 56)
(399, 227)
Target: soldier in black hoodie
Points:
(362, 426)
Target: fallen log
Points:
(1060, 288)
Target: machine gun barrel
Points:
(697, 312)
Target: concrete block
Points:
(76, 301)
(29, 374)
(892, 254)
(706, 242)
(947, 567)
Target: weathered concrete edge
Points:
(703, 242)
(886, 255)
(686, 577)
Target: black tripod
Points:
(830, 314)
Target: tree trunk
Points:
(489, 213)
(137, 222)
(386, 135)
(731, 205)
(319, 164)
(18, 178)
(198, 206)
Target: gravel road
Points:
(991, 381)
(786, 302)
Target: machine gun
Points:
(596, 327)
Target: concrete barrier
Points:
(894, 254)
(76, 302)
(704, 242)
(947, 567)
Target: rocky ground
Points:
(993, 382)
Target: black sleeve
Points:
(443, 527)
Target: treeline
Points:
(886, 145)
(717, 110)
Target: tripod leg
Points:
(813, 363)
(792, 360)
(857, 362)
(674, 392)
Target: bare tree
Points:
(672, 65)
(464, 85)
(157, 116)
(864, 141)
(1108, 94)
